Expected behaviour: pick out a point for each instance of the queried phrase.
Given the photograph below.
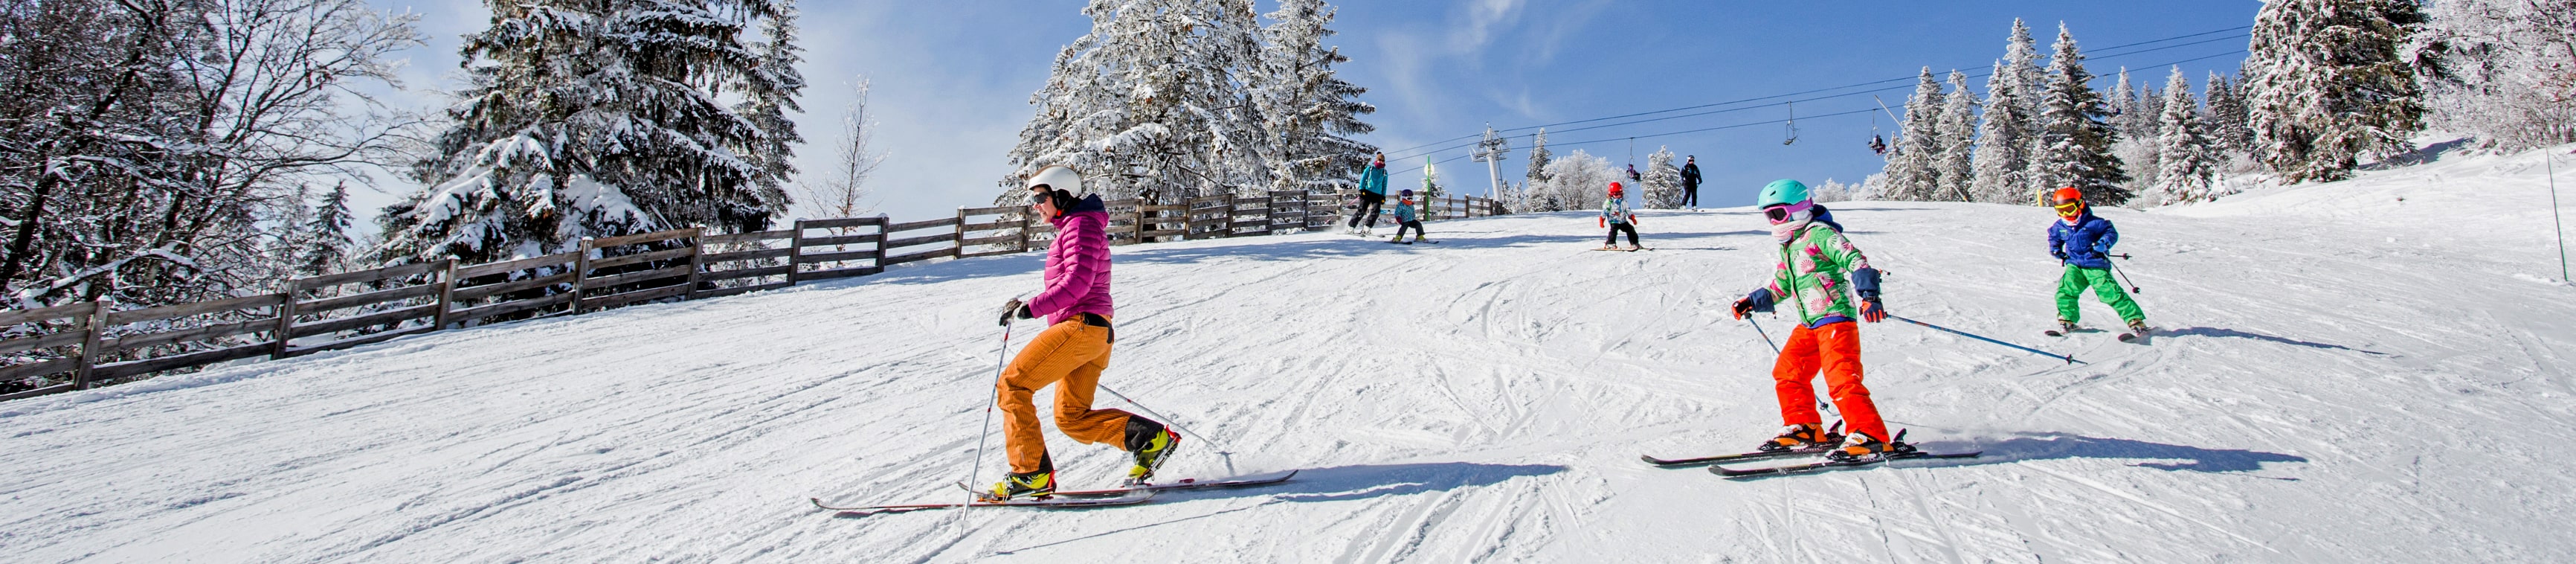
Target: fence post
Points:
(97, 326)
(580, 273)
(1024, 231)
(285, 320)
(878, 258)
(697, 260)
(960, 243)
(795, 252)
(1144, 210)
(446, 291)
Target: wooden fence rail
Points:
(79, 346)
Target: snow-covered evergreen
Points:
(2224, 113)
(1532, 195)
(1913, 167)
(596, 118)
(1957, 131)
(1311, 110)
(2503, 70)
(2005, 136)
(1663, 180)
(324, 239)
(2327, 84)
(2186, 160)
(1153, 102)
(2075, 140)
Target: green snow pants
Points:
(2071, 286)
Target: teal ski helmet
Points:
(1782, 192)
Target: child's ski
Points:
(1129, 498)
(1724, 458)
(1828, 465)
(2134, 336)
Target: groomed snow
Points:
(2345, 376)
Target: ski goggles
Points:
(1783, 213)
(2069, 209)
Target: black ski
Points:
(1724, 458)
(1829, 465)
(2134, 336)
(1130, 498)
(1247, 480)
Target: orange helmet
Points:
(2068, 201)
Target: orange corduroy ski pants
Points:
(1835, 350)
(1070, 355)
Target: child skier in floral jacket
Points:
(1813, 255)
(1406, 217)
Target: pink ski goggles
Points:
(1782, 213)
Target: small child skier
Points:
(1406, 218)
(1813, 256)
(2082, 242)
(1616, 217)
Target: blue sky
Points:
(952, 78)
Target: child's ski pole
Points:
(1775, 349)
(2133, 282)
(2070, 359)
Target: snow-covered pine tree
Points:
(768, 93)
(2504, 70)
(1957, 132)
(325, 239)
(1578, 181)
(2076, 139)
(1663, 180)
(1309, 107)
(1533, 186)
(603, 117)
(2123, 101)
(2186, 161)
(1912, 169)
(2327, 83)
(1152, 103)
(2005, 137)
(2224, 116)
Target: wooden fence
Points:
(82, 345)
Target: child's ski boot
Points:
(1799, 436)
(1860, 447)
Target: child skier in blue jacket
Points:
(2082, 242)
(1406, 218)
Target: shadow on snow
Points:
(2055, 446)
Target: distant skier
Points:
(2082, 242)
(1690, 182)
(1406, 218)
(1372, 196)
(1813, 255)
(1632, 173)
(1616, 217)
(1073, 349)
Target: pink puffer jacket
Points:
(1077, 265)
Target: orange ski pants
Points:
(1071, 355)
(1835, 349)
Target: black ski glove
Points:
(1015, 310)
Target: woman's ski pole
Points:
(2070, 359)
(1176, 424)
(993, 396)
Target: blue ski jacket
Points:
(2084, 243)
(1373, 180)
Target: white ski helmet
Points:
(1055, 177)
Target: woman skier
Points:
(1616, 217)
(1813, 255)
(2082, 242)
(1372, 197)
(1072, 351)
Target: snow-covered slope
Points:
(2345, 377)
